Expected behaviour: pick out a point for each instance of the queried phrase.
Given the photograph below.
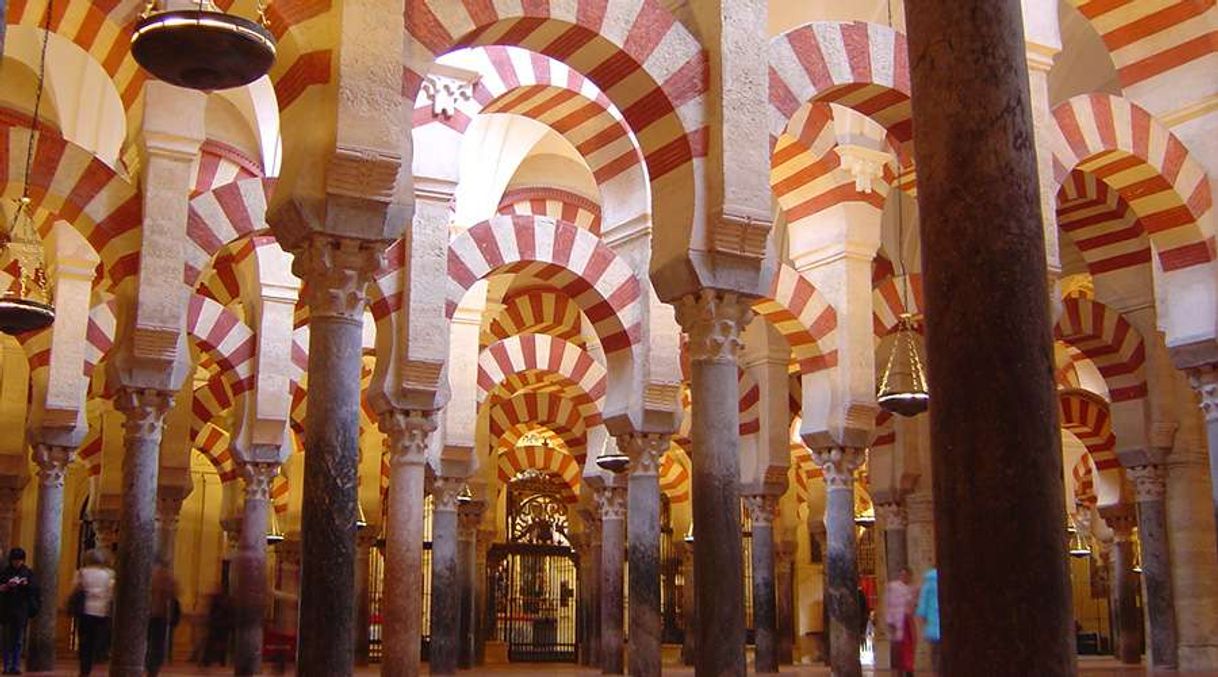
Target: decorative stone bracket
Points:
(447, 87)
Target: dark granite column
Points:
(594, 528)
(335, 272)
(1205, 381)
(893, 522)
(365, 541)
(841, 559)
(784, 591)
(168, 512)
(469, 518)
(612, 504)
(445, 647)
(996, 447)
(763, 509)
(483, 609)
(1150, 489)
(643, 537)
(402, 604)
(713, 321)
(689, 648)
(52, 464)
(145, 411)
(1129, 623)
(9, 497)
(249, 568)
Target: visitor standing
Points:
(19, 600)
(928, 612)
(94, 588)
(164, 594)
(899, 600)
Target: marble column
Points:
(484, 610)
(818, 539)
(1150, 491)
(9, 498)
(1128, 625)
(145, 411)
(1205, 381)
(249, 568)
(893, 523)
(713, 320)
(612, 504)
(997, 445)
(594, 528)
(402, 602)
(336, 272)
(444, 650)
(288, 554)
(168, 512)
(643, 538)
(841, 559)
(365, 541)
(52, 464)
(469, 518)
(689, 648)
(784, 592)
(762, 510)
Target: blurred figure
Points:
(19, 600)
(219, 630)
(899, 599)
(928, 612)
(94, 584)
(164, 595)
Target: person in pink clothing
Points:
(899, 599)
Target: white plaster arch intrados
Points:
(259, 106)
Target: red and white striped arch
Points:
(537, 311)
(555, 203)
(1087, 416)
(567, 257)
(750, 403)
(220, 164)
(221, 215)
(1149, 38)
(1109, 341)
(514, 460)
(281, 490)
(552, 415)
(890, 301)
(801, 314)
(209, 402)
(213, 444)
(99, 335)
(1102, 225)
(1084, 482)
(1121, 144)
(225, 338)
(556, 361)
(674, 477)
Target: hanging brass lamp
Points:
(202, 47)
(465, 495)
(361, 520)
(612, 459)
(28, 307)
(1137, 553)
(1078, 540)
(903, 384)
(274, 534)
(689, 535)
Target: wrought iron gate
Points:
(534, 592)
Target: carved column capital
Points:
(714, 320)
(145, 410)
(336, 272)
(53, 462)
(892, 516)
(763, 508)
(469, 518)
(407, 433)
(611, 502)
(1204, 380)
(644, 450)
(1149, 482)
(258, 477)
(169, 509)
(838, 465)
(445, 491)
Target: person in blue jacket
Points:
(928, 613)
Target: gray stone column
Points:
(612, 504)
(594, 528)
(784, 592)
(249, 568)
(336, 272)
(1205, 381)
(997, 444)
(483, 610)
(1150, 490)
(763, 509)
(168, 512)
(469, 518)
(841, 559)
(689, 649)
(643, 538)
(9, 498)
(52, 464)
(444, 650)
(893, 522)
(365, 541)
(1128, 626)
(145, 411)
(402, 603)
(714, 320)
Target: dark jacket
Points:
(19, 594)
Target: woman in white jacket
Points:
(95, 581)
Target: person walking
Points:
(899, 600)
(928, 613)
(94, 587)
(19, 601)
(164, 594)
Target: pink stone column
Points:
(52, 464)
(1150, 490)
(612, 504)
(1205, 381)
(402, 604)
(249, 568)
(841, 558)
(643, 543)
(763, 508)
(713, 320)
(444, 649)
